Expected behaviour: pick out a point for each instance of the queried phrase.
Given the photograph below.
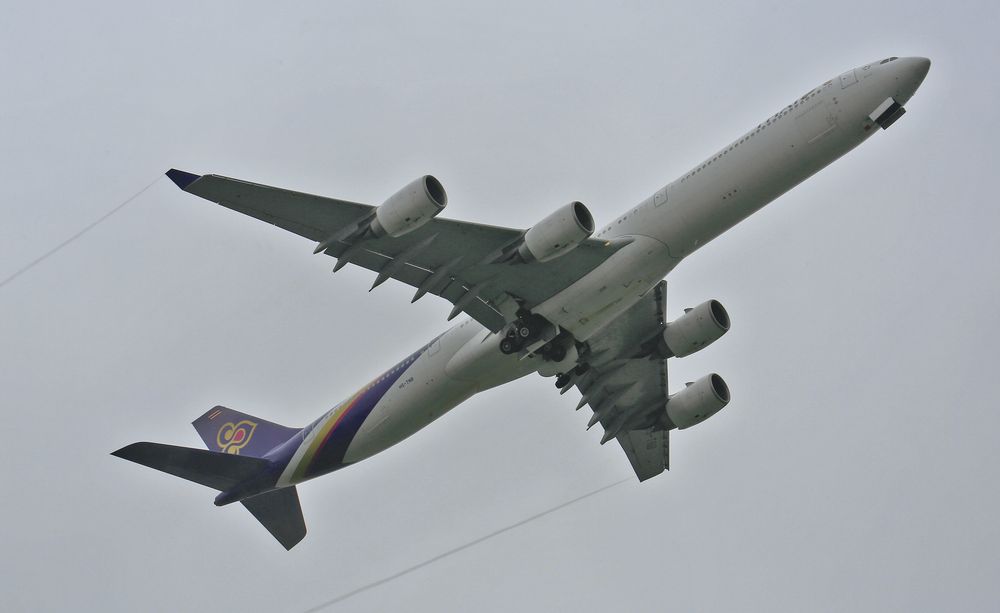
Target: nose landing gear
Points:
(887, 113)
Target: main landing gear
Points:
(523, 332)
(508, 346)
(533, 334)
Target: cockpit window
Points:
(888, 59)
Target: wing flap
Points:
(450, 288)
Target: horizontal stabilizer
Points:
(280, 513)
(219, 471)
(277, 510)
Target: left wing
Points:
(452, 259)
(624, 380)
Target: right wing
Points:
(625, 383)
(448, 258)
(648, 450)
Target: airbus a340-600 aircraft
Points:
(556, 299)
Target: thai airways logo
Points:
(234, 436)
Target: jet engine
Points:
(696, 329)
(410, 207)
(557, 234)
(698, 401)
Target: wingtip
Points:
(182, 179)
(127, 452)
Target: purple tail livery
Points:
(228, 431)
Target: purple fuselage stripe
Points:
(330, 456)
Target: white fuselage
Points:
(747, 174)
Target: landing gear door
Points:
(848, 79)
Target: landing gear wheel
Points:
(507, 346)
(524, 331)
(558, 354)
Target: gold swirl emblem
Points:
(234, 436)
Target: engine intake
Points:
(557, 234)
(409, 208)
(698, 401)
(696, 329)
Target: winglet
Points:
(181, 178)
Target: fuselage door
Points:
(848, 79)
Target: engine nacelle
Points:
(696, 329)
(698, 401)
(557, 234)
(410, 207)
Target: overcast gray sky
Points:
(856, 468)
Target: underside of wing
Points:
(648, 450)
(468, 264)
(623, 379)
(622, 374)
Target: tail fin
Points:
(277, 510)
(237, 433)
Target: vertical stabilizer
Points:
(228, 431)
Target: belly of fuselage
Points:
(594, 301)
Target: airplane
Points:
(586, 308)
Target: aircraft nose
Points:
(910, 74)
(919, 67)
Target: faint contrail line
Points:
(385, 580)
(69, 240)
